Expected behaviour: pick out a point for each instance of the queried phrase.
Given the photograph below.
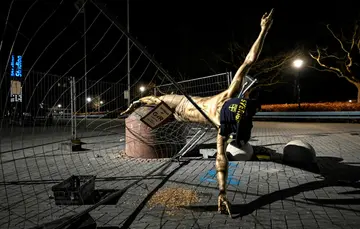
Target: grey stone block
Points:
(207, 153)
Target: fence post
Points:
(229, 78)
(72, 107)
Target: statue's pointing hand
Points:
(266, 20)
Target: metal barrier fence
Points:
(203, 86)
(42, 156)
(53, 92)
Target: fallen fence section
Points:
(307, 115)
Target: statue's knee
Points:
(221, 163)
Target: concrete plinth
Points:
(245, 153)
(299, 152)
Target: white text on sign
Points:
(157, 116)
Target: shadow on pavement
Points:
(332, 171)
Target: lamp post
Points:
(298, 63)
(80, 6)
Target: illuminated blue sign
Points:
(16, 66)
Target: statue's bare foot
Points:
(132, 107)
(223, 204)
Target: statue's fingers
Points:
(265, 15)
(271, 13)
(219, 205)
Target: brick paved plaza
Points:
(264, 194)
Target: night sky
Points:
(187, 36)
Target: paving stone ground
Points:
(264, 194)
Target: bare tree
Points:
(267, 70)
(96, 103)
(343, 61)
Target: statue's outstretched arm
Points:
(252, 56)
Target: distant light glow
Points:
(142, 88)
(59, 105)
(101, 102)
(88, 99)
(298, 63)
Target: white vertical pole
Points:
(74, 106)
(229, 78)
(128, 51)
(85, 66)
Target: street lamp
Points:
(88, 100)
(100, 103)
(298, 63)
(59, 105)
(142, 89)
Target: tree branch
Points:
(347, 66)
(273, 67)
(337, 71)
(268, 84)
(327, 70)
(332, 69)
(333, 34)
(208, 65)
(353, 40)
(348, 53)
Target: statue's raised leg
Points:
(171, 100)
(148, 100)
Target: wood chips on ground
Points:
(174, 198)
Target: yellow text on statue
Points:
(233, 107)
(241, 110)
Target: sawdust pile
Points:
(173, 198)
(122, 155)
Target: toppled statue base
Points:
(141, 141)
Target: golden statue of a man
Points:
(229, 113)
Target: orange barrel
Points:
(141, 141)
